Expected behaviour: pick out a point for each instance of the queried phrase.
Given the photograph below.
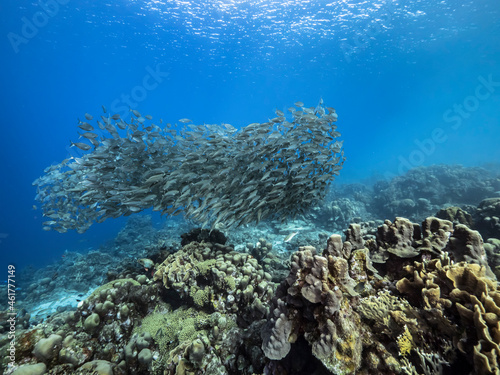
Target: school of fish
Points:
(213, 174)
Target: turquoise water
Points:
(414, 83)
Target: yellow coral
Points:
(405, 342)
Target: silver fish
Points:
(81, 146)
(86, 126)
(89, 135)
(214, 174)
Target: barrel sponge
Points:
(48, 348)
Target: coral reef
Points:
(215, 278)
(95, 336)
(423, 191)
(420, 193)
(460, 292)
(126, 327)
(315, 301)
(456, 215)
(487, 218)
(192, 341)
(58, 287)
(404, 239)
(276, 264)
(338, 213)
(411, 313)
(388, 297)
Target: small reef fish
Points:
(146, 263)
(290, 236)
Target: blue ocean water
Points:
(414, 83)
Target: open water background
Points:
(414, 83)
